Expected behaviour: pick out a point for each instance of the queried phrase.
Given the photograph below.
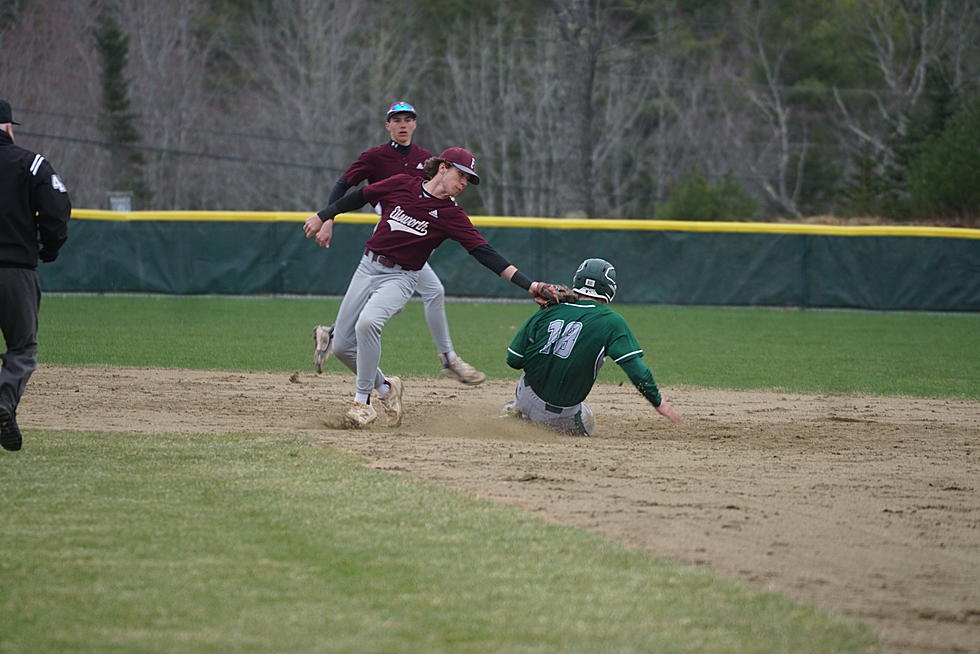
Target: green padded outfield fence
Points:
(658, 262)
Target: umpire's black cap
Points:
(6, 115)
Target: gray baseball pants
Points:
(20, 299)
(375, 294)
(576, 420)
(433, 296)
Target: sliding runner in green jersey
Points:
(562, 347)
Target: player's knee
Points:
(22, 359)
(340, 343)
(432, 293)
(343, 349)
(348, 358)
(368, 325)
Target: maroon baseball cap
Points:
(464, 160)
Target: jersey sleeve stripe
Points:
(628, 354)
(38, 160)
(516, 354)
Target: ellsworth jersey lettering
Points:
(414, 223)
(562, 348)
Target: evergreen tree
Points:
(116, 121)
(944, 179)
(868, 191)
(695, 198)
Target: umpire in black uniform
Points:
(34, 212)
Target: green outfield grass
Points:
(125, 543)
(930, 355)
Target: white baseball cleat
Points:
(587, 419)
(463, 372)
(392, 402)
(322, 339)
(359, 415)
(510, 410)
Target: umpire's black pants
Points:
(20, 299)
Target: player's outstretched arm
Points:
(642, 378)
(496, 262)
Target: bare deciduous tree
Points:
(557, 147)
(961, 45)
(302, 68)
(583, 26)
(578, 107)
(779, 164)
(903, 40)
(516, 140)
(50, 76)
(173, 95)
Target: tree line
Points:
(679, 109)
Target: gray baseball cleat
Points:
(392, 402)
(322, 339)
(359, 415)
(463, 372)
(10, 438)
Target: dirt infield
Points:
(866, 506)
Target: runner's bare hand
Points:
(325, 234)
(668, 411)
(312, 226)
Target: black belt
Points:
(551, 408)
(384, 260)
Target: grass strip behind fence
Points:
(916, 354)
(134, 543)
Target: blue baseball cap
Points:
(400, 107)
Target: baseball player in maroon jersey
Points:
(399, 156)
(416, 217)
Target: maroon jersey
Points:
(414, 223)
(384, 161)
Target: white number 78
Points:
(562, 337)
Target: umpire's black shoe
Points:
(10, 437)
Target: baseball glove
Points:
(548, 295)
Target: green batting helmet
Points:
(595, 278)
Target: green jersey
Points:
(561, 349)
